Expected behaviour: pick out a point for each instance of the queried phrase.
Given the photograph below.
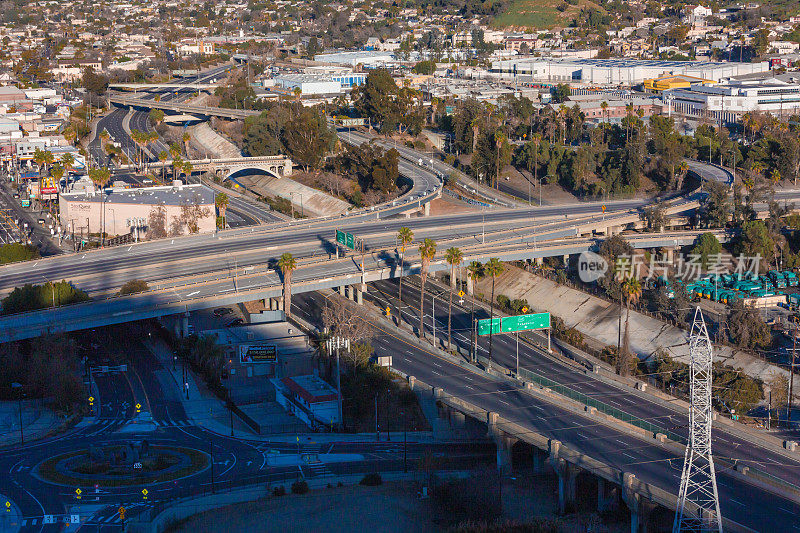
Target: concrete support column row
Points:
(503, 442)
(639, 506)
(567, 474)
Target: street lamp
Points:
(15, 386)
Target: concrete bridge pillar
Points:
(458, 420)
(539, 461)
(606, 495)
(567, 475)
(470, 286)
(349, 290)
(341, 290)
(539, 261)
(503, 443)
(185, 325)
(639, 506)
(360, 294)
(426, 210)
(566, 260)
(279, 303)
(411, 382)
(491, 423)
(504, 462)
(669, 255)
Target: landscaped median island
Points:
(122, 464)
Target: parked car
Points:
(235, 322)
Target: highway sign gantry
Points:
(511, 324)
(348, 240)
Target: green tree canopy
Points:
(13, 252)
(32, 297)
(706, 245)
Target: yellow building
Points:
(679, 81)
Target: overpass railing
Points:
(602, 407)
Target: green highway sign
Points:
(483, 326)
(511, 324)
(347, 240)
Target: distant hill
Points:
(541, 14)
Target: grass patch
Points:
(47, 470)
(541, 14)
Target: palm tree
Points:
(99, 176)
(493, 268)
(426, 251)
(537, 139)
(70, 134)
(38, 158)
(186, 139)
(174, 150)
(287, 263)
(404, 237)
(476, 128)
(222, 201)
(177, 164)
(162, 157)
(632, 290)
(454, 257)
(604, 107)
(499, 139)
(475, 273)
(187, 169)
(67, 161)
(683, 168)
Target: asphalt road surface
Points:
(238, 461)
(747, 504)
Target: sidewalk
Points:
(204, 409)
(37, 422)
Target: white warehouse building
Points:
(312, 84)
(618, 72)
(731, 100)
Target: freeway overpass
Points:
(234, 284)
(145, 87)
(189, 109)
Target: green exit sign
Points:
(347, 240)
(511, 324)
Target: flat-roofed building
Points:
(680, 81)
(731, 100)
(309, 398)
(185, 208)
(616, 72)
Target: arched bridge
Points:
(275, 165)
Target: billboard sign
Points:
(512, 324)
(258, 353)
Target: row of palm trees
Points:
(631, 288)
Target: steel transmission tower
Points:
(698, 500)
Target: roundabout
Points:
(122, 464)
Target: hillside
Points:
(541, 14)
